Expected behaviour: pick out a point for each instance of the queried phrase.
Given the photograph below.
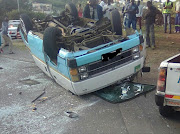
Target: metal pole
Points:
(18, 4)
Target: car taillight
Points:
(161, 83)
(10, 26)
(10, 32)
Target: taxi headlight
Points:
(82, 69)
(136, 56)
(84, 76)
(135, 49)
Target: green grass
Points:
(19, 44)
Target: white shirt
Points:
(108, 9)
(102, 4)
(140, 7)
(178, 6)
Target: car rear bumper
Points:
(13, 35)
(108, 78)
(162, 100)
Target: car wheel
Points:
(71, 8)
(51, 47)
(26, 24)
(165, 111)
(116, 22)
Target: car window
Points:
(13, 25)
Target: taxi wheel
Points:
(51, 47)
(71, 8)
(116, 22)
(165, 111)
(26, 23)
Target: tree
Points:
(9, 5)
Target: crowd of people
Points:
(132, 13)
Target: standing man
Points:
(5, 36)
(93, 10)
(139, 15)
(131, 12)
(124, 13)
(149, 24)
(167, 7)
(177, 19)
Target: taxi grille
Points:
(101, 66)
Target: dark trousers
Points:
(177, 22)
(150, 31)
(139, 21)
(167, 20)
(131, 21)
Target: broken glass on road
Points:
(123, 91)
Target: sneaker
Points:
(11, 53)
(153, 47)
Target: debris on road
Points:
(39, 96)
(124, 91)
(29, 82)
(42, 99)
(34, 109)
(71, 114)
(1, 68)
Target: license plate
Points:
(137, 68)
(173, 103)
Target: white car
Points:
(168, 86)
(12, 28)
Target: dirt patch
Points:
(29, 82)
(19, 44)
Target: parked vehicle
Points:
(0, 38)
(12, 28)
(168, 86)
(80, 54)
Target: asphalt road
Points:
(95, 116)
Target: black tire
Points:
(50, 45)
(116, 22)
(165, 111)
(71, 8)
(26, 23)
